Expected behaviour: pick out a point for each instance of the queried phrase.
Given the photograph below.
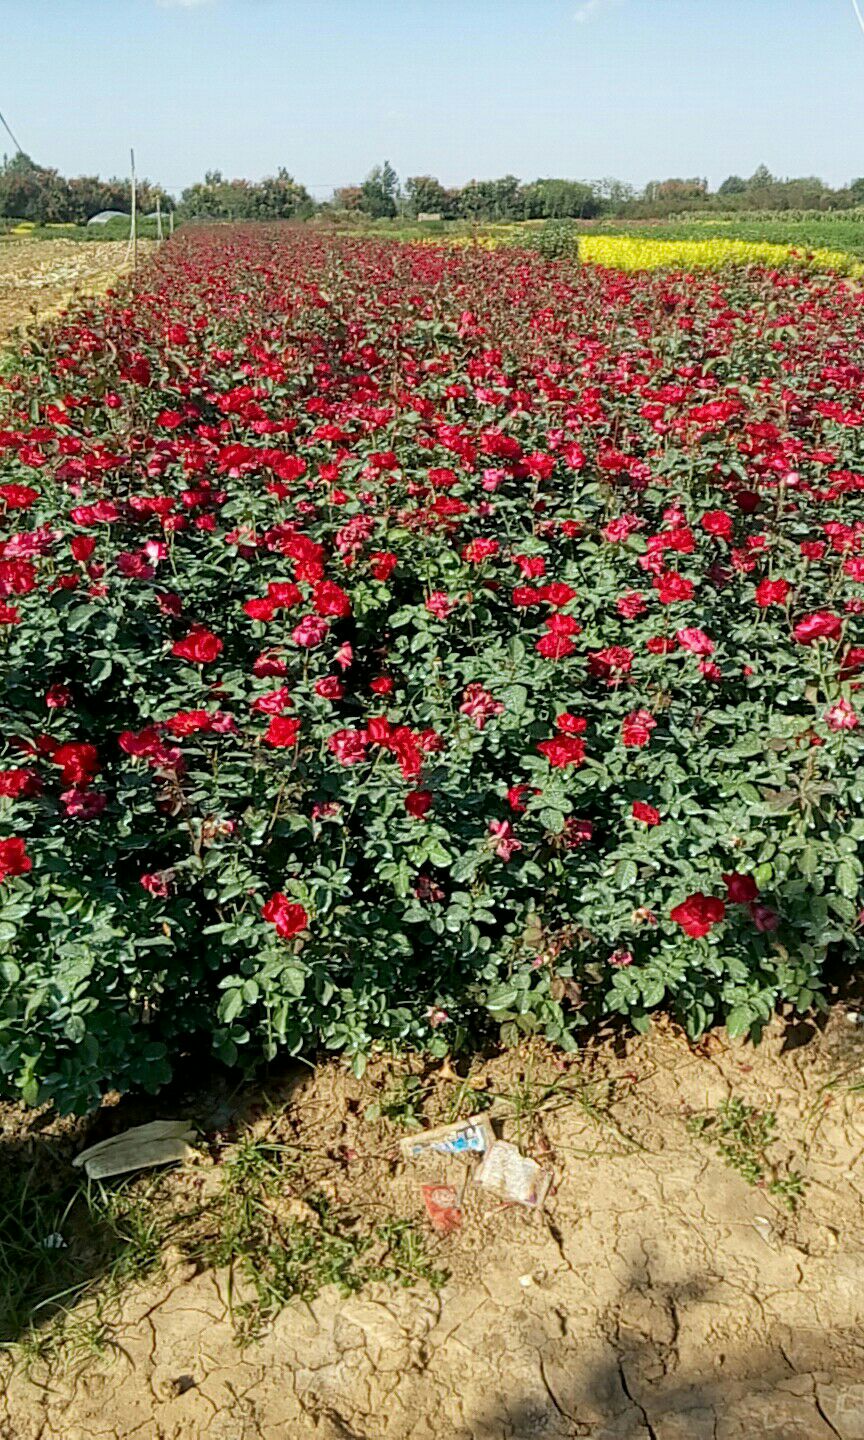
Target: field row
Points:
(404, 642)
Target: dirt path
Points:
(661, 1298)
(40, 277)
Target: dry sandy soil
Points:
(40, 277)
(660, 1296)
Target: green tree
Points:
(426, 195)
(380, 192)
(560, 200)
(761, 179)
(276, 197)
(732, 185)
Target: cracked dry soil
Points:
(644, 1305)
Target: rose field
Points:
(405, 645)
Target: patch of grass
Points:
(741, 1134)
(276, 1244)
(535, 1093)
(283, 1248)
(64, 1241)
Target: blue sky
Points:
(639, 89)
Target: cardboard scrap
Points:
(513, 1177)
(461, 1139)
(162, 1142)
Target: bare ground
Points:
(660, 1297)
(40, 277)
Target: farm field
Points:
(409, 652)
(839, 233)
(37, 278)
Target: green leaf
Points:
(230, 1005)
(739, 1020)
(848, 879)
(626, 874)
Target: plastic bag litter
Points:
(162, 1142)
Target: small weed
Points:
(466, 1100)
(401, 1104)
(741, 1134)
(533, 1096)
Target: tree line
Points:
(29, 191)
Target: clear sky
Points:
(638, 89)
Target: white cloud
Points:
(586, 11)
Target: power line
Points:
(18, 148)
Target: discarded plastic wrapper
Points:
(514, 1177)
(464, 1137)
(442, 1207)
(162, 1142)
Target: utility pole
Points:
(134, 235)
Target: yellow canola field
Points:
(625, 252)
(628, 252)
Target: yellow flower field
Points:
(625, 252)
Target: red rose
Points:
(14, 859)
(821, 625)
(771, 592)
(764, 918)
(200, 646)
(282, 731)
(740, 889)
(330, 687)
(80, 804)
(747, 501)
(555, 647)
(18, 497)
(273, 703)
(78, 763)
(284, 594)
(698, 913)
(718, 523)
(82, 547)
(310, 632)
(645, 813)
(672, 587)
(15, 783)
(571, 724)
(156, 884)
(330, 599)
(141, 742)
(695, 640)
(564, 750)
(382, 564)
(577, 831)
(418, 803)
(636, 728)
(288, 917)
(349, 746)
(260, 609)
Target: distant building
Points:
(105, 215)
(429, 215)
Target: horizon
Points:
(568, 88)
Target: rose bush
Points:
(398, 641)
